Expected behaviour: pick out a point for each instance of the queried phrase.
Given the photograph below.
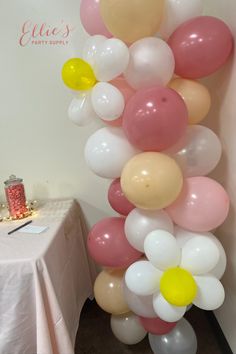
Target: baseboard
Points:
(220, 337)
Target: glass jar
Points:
(15, 195)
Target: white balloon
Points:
(151, 63)
(197, 152)
(182, 236)
(127, 328)
(107, 101)
(111, 60)
(140, 305)
(199, 255)
(142, 278)
(178, 11)
(107, 151)
(162, 249)
(139, 223)
(90, 48)
(210, 295)
(81, 111)
(166, 311)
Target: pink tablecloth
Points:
(44, 282)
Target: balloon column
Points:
(138, 74)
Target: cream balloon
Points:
(151, 63)
(166, 311)
(139, 223)
(90, 48)
(176, 12)
(196, 97)
(81, 111)
(142, 278)
(127, 328)
(107, 151)
(162, 249)
(111, 59)
(198, 152)
(151, 180)
(199, 255)
(107, 101)
(210, 295)
(133, 19)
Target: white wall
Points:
(38, 143)
(222, 119)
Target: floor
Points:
(95, 336)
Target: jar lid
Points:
(13, 180)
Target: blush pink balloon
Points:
(126, 91)
(155, 118)
(108, 245)
(203, 205)
(156, 325)
(201, 46)
(91, 18)
(118, 200)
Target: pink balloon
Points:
(156, 325)
(91, 18)
(126, 91)
(108, 245)
(118, 200)
(155, 118)
(201, 46)
(203, 205)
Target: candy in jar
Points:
(15, 194)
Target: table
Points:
(44, 281)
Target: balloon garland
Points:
(159, 255)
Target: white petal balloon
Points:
(140, 305)
(127, 328)
(210, 295)
(178, 11)
(111, 59)
(107, 151)
(81, 111)
(162, 249)
(142, 278)
(166, 311)
(199, 255)
(139, 223)
(107, 101)
(91, 46)
(151, 63)
(183, 236)
(197, 152)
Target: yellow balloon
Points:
(178, 287)
(196, 97)
(130, 20)
(108, 291)
(77, 74)
(151, 180)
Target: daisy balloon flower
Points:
(177, 276)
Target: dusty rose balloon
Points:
(201, 46)
(91, 18)
(118, 200)
(155, 118)
(127, 93)
(108, 245)
(156, 325)
(203, 205)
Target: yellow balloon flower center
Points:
(77, 74)
(178, 286)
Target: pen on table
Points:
(19, 227)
